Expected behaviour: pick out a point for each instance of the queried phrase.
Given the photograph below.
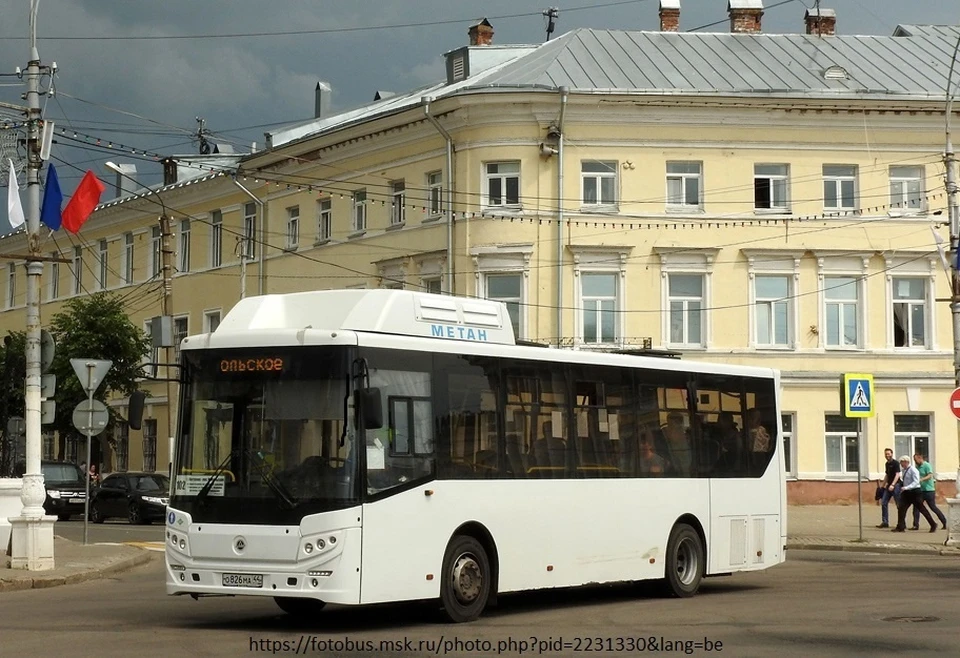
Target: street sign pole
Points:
(860, 475)
(857, 401)
(90, 372)
(86, 499)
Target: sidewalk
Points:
(809, 527)
(75, 563)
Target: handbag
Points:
(879, 493)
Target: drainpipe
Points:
(449, 176)
(564, 91)
(263, 243)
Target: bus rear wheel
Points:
(685, 562)
(297, 607)
(465, 585)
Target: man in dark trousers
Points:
(891, 488)
(910, 495)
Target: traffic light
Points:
(48, 381)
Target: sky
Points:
(136, 74)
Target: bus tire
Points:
(685, 564)
(465, 583)
(299, 607)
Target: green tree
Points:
(94, 327)
(13, 373)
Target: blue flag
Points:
(52, 201)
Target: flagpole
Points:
(32, 531)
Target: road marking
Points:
(146, 545)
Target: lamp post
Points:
(953, 504)
(167, 300)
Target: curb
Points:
(139, 558)
(843, 546)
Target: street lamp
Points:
(953, 504)
(167, 304)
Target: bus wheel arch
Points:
(470, 555)
(685, 562)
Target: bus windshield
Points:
(263, 438)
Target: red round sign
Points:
(955, 402)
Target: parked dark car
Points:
(66, 489)
(138, 497)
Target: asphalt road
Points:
(112, 530)
(823, 604)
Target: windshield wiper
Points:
(208, 485)
(275, 485)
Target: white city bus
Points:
(364, 446)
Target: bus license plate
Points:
(242, 580)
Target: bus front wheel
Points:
(685, 562)
(465, 585)
(298, 607)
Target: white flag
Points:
(14, 208)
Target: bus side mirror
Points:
(369, 407)
(135, 409)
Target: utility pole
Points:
(32, 531)
(953, 205)
(166, 257)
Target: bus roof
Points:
(398, 312)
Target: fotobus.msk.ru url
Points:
(531, 645)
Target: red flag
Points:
(84, 200)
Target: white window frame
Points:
(324, 220)
(836, 179)
(435, 194)
(104, 263)
(129, 244)
(913, 436)
(501, 202)
(153, 353)
(773, 181)
(683, 177)
(686, 260)
(432, 285)
(11, 284)
(609, 172)
(216, 238)
(838, 263)
(212, 319)
(908, 265)
(178, 336)
(293, 227)
(360, 211)
(184, 260)
(592, 306)
(774, 262)
(600, 259)
(500, 260)
(77, 270)
(398, 203)
(788, 436)
(53, 291)
(844, 437)
(156, 251)
(901, 179)
(249, 248)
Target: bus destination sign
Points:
(267, 364)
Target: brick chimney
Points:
(669, 15)
(821, 21)
(481, 34)
(745, 15)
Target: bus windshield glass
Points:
(263, 438)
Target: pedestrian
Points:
(910, 495)
(928, 492)
(891, 488)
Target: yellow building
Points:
(751, 198)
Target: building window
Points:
(840, 434)
(684, 185)
(911, 434)
(150, 444)
(184, 245)
(54, 290)
(293, 227)
(324, 220)
(211, 320)
(152, 358)
(501, 184)
(11, 284)
(433, 285)
(599, 294)
(398, 209)
(840, 187)
(180, 329)
(907, 189)
(250, 230)
(49, 446)
(685, 296)
(104, 263)
(773, 305)
(128, 258)
(598, 182)
(359, 211)
(123, 446)
(842, 299)
(788, 432)
(770, 187)
(77, 270)
(435, 185)
(909, 312)
(507, 288)
(156, 246)
(216, 238)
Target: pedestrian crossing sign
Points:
(857, 393)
